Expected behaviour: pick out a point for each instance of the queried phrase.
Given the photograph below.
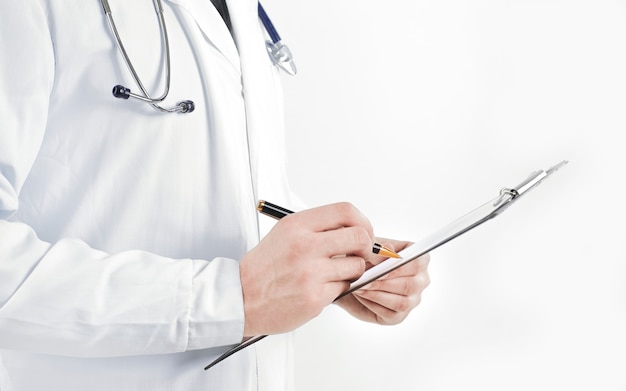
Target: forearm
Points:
(69, 299)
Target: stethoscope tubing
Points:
(280, 54)
(269, 26)
(120, 91)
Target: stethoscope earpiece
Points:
(119, 91)
(186, 106)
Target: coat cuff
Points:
(216, 316)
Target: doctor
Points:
(129, 240)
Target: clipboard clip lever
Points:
(509, 194)
(506, 195)
(506, 191)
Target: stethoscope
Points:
(279, 54)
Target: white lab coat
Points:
(121, 227)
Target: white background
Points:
(418, 111)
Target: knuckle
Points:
(417, 300)
(409, 287)
(350, 212)
(361, 237)
(400, 318)
(403, 305)
(359, 267)
(291, 223)
(351, 269)
(346, 209)
(423, 280)
(395, 318)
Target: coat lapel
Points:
(262, 93)
(210, 22)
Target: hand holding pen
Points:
(388, 300)
(306, 261)
(278, 212)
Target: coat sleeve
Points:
(66, 298)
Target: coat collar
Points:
(210, 22)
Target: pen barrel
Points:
(278, 212)
(272, 210)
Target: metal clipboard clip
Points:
(476, 217)
(507, 195)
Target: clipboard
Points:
(469, 221)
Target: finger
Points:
(406, 271)
(343, 269)
(334, 216)
(374, 258)
(382, 313)
(393, 245)
(332, 290)
(415, 267)
(351, 240)
(409, 269)
(396, 245)
(404, 286)
(390, 302)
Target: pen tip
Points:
(385, 252)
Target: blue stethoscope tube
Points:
(278, 52)
(269, 26)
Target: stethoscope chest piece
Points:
(281, 57)
(279, 52)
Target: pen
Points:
(278, 212)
